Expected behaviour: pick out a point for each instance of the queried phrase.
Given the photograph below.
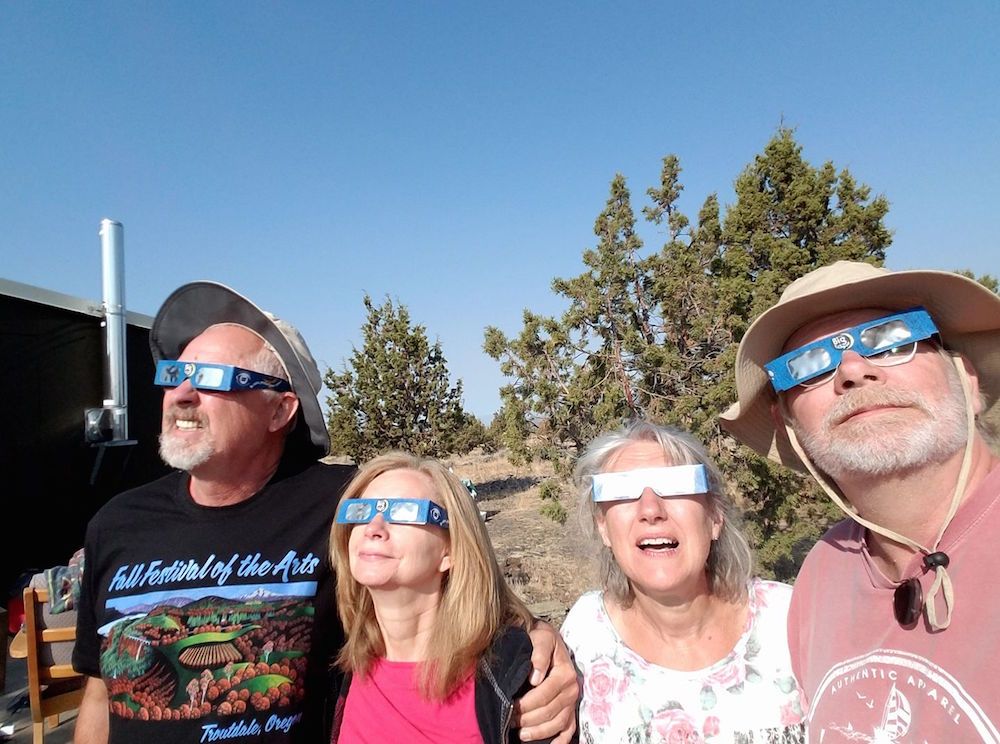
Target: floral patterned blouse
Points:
(748, 696)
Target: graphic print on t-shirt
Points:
(187, 638)
(889, 696)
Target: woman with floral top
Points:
(682, 644)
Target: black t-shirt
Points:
(213, 624)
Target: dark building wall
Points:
(51, 364)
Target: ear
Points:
(602, 527)
(717, 521)
(284, 412)
(445, 564)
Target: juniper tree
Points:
(656, 334)
(395, 391)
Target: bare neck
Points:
(225, 483)
(681, 621)
(406, 619)
(914, 503)
(686, 635)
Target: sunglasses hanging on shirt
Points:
(908, 599)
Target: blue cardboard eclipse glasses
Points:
(394, 511)
(884, 342)
(678, 480)
(218, 377)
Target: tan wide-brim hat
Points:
(192, 308)
(966, 313)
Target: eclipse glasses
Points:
(885, 342)
(218, 377)
(394, 511)
(677, 480)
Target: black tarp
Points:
(52, 480)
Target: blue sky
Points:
(455, 155)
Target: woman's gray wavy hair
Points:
(730, 559)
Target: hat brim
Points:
(966, 313)
(192, 308)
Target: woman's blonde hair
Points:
(476, 602)
(730, 559)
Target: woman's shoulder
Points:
(511, 641)
(587, 602)
(588, 609)
(769, 601)
(770, 590)
(587, 626)
(506, 666)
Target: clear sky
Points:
(454, 155)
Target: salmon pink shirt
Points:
(868, 679)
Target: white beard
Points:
(890, 442)
(178, 453)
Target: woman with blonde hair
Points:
(682, 644)
(437, 648)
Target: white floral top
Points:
(749, 696)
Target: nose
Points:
(854, 371)
(651, 507)
(377, 528)
(183, 394)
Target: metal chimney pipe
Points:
(113, 279)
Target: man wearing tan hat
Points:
(879, 383)
(207, 605)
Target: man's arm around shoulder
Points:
(549, 710)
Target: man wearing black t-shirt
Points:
(207, 605)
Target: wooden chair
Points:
(52, 688)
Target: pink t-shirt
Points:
(868, 679)
(386, 706)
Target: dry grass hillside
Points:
(548, 564)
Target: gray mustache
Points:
(853, 402)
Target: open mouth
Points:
(658, 544)
(186, 424)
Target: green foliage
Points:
(654, 334)
(395, 393)
(509, 429)
(549, 490)
(472, 434)
(554, 511)
(494, 434)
